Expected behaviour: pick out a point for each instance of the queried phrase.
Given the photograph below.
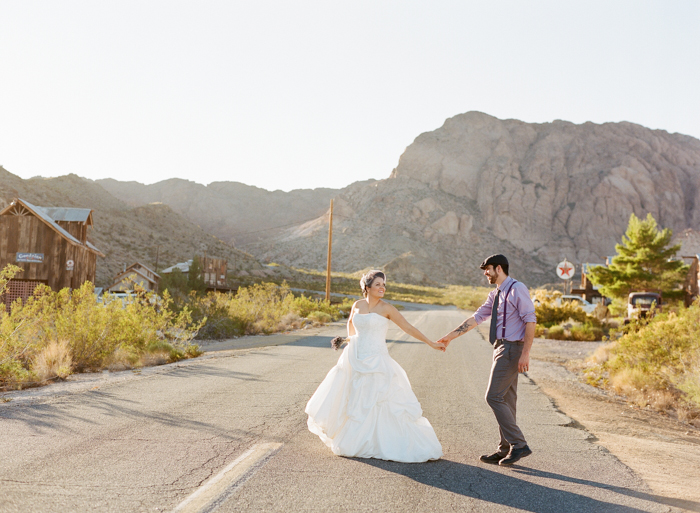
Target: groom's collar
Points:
(505, 283)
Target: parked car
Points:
(576, 300)
(639, 304)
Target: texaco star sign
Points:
(565, 270)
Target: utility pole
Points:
(157, 255)
(328, 264)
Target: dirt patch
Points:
(664, 452)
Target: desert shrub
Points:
(586, 333)
(549, 314)
(659, 360)
(259, 308)
(304, 306)
(320, 317)
(557, 333)
(56, 333)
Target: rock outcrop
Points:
(478, 185)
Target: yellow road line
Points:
(212, 493)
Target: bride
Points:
(365, 407)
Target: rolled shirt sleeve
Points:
(522, 301)
(484, 311)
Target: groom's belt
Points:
(504, 341)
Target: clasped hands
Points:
(441, 345)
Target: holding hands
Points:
(437, 345)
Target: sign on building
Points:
(35, 258)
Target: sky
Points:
(306, 94)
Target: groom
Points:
(512, 332)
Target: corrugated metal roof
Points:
(68, 214)
(46, 217)
(183, 266)
(43, 214)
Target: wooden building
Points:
(136, 273)
(49, 244)
(587, 290)
(214, 272)
(692, 280)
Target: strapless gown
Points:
(365, 406)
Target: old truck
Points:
(641, 304)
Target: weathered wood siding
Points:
(214, 271)
(28, 234)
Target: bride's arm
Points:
(351, 326)
(409, 329)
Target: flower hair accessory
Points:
(367, 279)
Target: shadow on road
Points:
(515, 492)
(678, 503)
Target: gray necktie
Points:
(494, 319)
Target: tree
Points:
(643, 262)
(195, 280)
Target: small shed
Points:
(49, 244)
(136, 273)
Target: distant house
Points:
(588, 291)
(213, 271)
(136, 273)
(49, 244)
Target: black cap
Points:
(494, 260)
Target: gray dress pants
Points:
(502, 394)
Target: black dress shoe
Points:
(493, 458)
(515, 455)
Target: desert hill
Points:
(125, 234)
(478, 184)
(237, 213)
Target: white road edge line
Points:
(235, 473)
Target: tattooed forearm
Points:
(465, 326)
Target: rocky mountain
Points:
(237, 213)
(126, 234)
(478, 184)
(475, 186)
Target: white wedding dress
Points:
(365, 407)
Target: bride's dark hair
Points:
(367, 279)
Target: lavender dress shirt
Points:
(520, 310)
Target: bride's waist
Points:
(370, 345)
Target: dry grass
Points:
(53, 361)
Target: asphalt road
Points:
(227, 432)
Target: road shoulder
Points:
(664, 452)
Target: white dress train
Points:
(365, 407)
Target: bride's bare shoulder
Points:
(360, 306)
(386, 309)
